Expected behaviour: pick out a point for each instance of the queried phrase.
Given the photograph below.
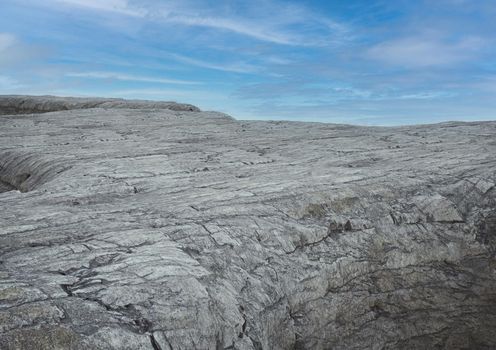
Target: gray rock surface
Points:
(164, 229)
(15, 104)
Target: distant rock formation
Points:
(143, 225)
(41, 104)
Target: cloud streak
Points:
(249, 29)
(14, 53)
(129, 77)
(227, 67)
(6, 42)
(121, 7)
(7, 83)
(275, 22)
(425, 51)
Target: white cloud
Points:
(254, 30)
(269, 20)
(486, 84)
(8, 84)
(277, 60)
(116, 6)
(425, 51)
(168, 93)
(6, 42)
(128, 77)
(426, 95)
(228, 67)
(13, 52)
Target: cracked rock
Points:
(148, 225)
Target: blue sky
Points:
(363, 62)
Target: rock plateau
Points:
(147, 225)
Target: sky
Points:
(369, 62)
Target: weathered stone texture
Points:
(158, 228)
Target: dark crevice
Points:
(66, 289)
(139, 324)
(155, 344)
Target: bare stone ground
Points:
(143, 225)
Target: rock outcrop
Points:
(153, 227)
(15, 104)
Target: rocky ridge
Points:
(15, 104)
(142, 226)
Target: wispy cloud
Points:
(9, 84)
(169, 93)
(129, 77)
(14, 52)
(6, 42)
(239, 67)
(424, 51)
(271, 21)
(116, 6)
(424, 95)
(250, 29)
